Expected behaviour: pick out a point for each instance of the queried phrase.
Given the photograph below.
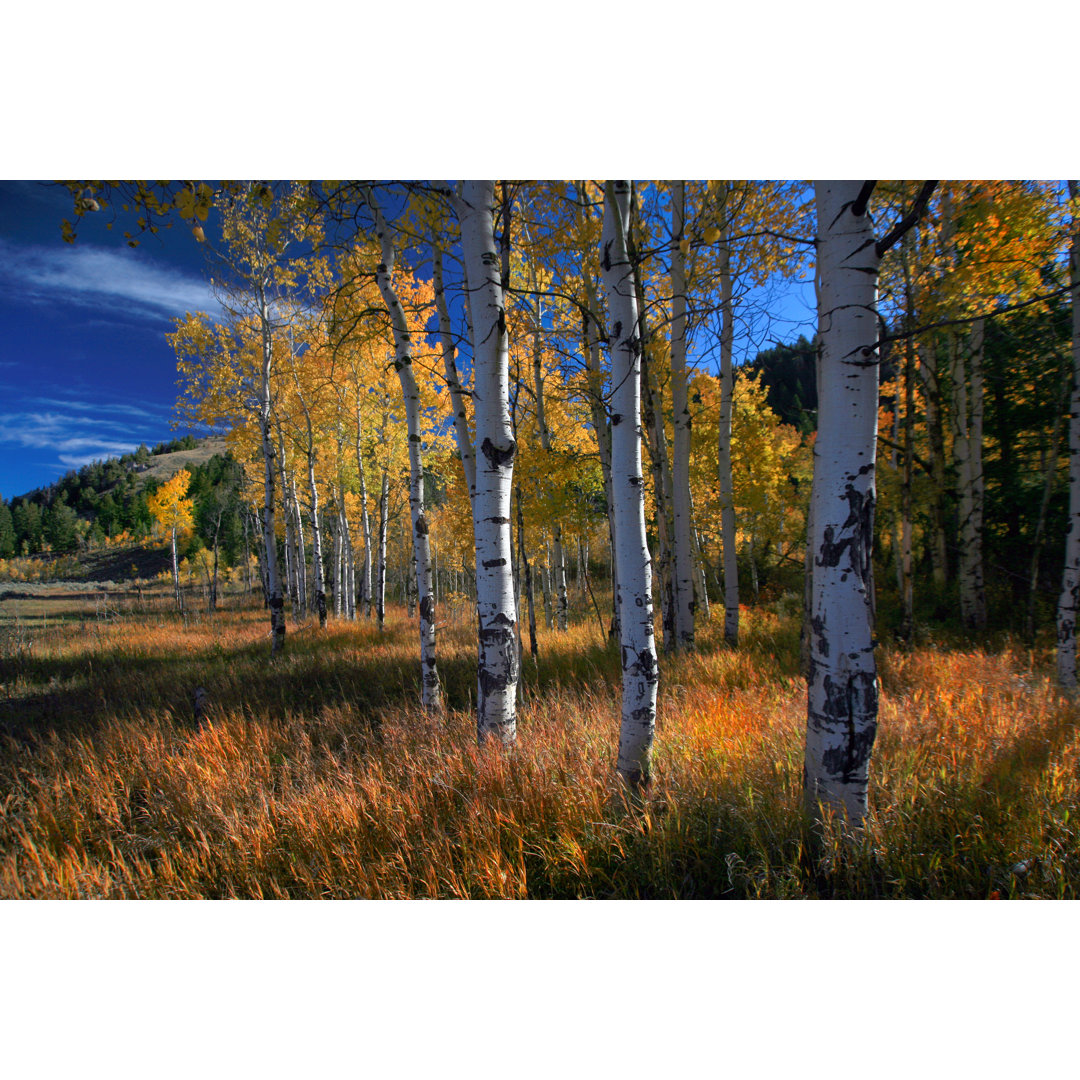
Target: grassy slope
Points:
(318, 776)
(163, 466)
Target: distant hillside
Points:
(162, 466)
(107, 501)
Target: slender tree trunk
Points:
(639, 666)
(365, 520)
(545, 586)
(214, 584)
(274, 597)
(680, 451)
(290, 554)
(301, 553)
(654, 426)
(175, 571)
(495, 601)
(724, 476)
(380, 580)
(317, 567)
(842, 685)
(1069, 602)
(421, 544)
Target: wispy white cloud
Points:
(124, 280)
(71, 437)
(153, 413)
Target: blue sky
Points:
(85, 370)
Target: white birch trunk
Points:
(301, 551)
(1069, 602)
(680, 450)
(724, 476)
(495, 602)
(175, 570)
(842, 683)
(316, 534)
(637, 639)
(274, 598)
(380, 572)
(431, 694)
(365, 520)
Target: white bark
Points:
(410, 391)
(842, 683)
(275, 599)
(1069, 602)
(301, 551)
(724, 476)
(639, 667)
(680, 450)
(495, 601)
(365, 520)
(175, 570)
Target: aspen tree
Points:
(680, 451)
(1069, 602)
(842, 690)
(496, 606)
(410, 391)
(639, 666)
(174, 513)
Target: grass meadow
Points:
(318, 776)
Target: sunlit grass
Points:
(318, 775)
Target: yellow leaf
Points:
(712, 234)
(198, 233)
(684, 245)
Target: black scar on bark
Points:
(616, 330)
(427, 609)
(488, 564)
(616, 419)
(644, 715)
(605, 260)
(498, 635)
(636, 481)
(414, 438)
(498, 458)
(643, 665)
(852, 702)
(421, 526)
(498, 520)
(860, 521)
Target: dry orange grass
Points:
(318, 776)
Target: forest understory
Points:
(317, 775)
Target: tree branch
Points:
(917, 210)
